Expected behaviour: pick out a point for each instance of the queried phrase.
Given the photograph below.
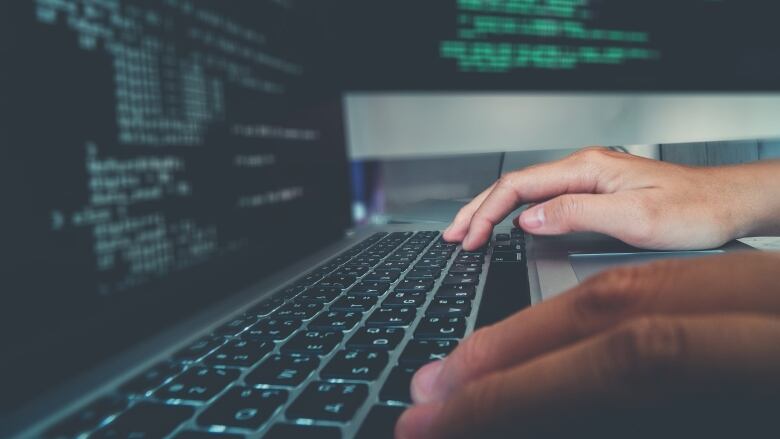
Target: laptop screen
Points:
(154, 157)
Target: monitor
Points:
(154, 157)
(455, 76)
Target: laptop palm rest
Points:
(588, 264)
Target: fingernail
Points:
(533, 218)
(424, 382)
(417, 421)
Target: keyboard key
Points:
(424, 273)
(88, 417)
(336, 320)
(393, 266)
(507, 257)
(352, 270)
(146, 420)
(328, 401)
(472, 267)
(197, 384)
(338, 280)
(319, 294)
(389, 276)
(283, 370)
(298, 310)
(460, 279)
(272, 329)
(398, 383)
(236, 325)
(150, 379)
(412, 285)
(392, 317)
(313, 342)
(243, 407)
(376, 338)
(199, 348)
(454, 310)
(457, 292)
(206, 435)
(466, 258)
(441, 327)
(419, 352)
(240, 353)
(289, 431)
(268, 306)
(431, 263)
(354, 364)
(369, 289)
(380, 423)
(354, 303)
(396, 299)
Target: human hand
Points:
(630, 348)
(643, 202)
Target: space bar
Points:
(506, 292)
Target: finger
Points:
(579, 173)
(647, 362)
(456, 231)
(621, 215)
(689, 286)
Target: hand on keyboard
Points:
(645, 203)
(687, 348)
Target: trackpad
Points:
(586, 265)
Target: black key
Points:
(88, 417)
(419, 352)
(380, 422)
(389, 276)
(392, 317)
(411, 285)
(197, 384)
(396, 299)
(424, 273)
(328, 401)
(236, 325)
(431, 263)
(502, 237)
(456, 292)
(398, 383)
(340, 281)
(506, 292)
(515, 257)
(283, 370)
(289, 431)
(352, 270)
(243, 407)
(298, 310)
(272, 329)
(313, 342)
(240, 353)
(469, 258)
(146, 420)
(402, 258)
(268, 306)
(437, 254)
(319, 294)
(336, 320)
(441, 327)
(206, 435)
(393, 266)
(150, 379)
(435, 309)
(354, 303)
(376, 338)
(311, 278)
(461, 279)
(355, 364)
(369, 289)
(199, 348)
(471, 267)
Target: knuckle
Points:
(566, 208)
(591, 154)
(474, 352)
(610, 295)
(646, 351)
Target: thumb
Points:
(611, 214)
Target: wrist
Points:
(753, 199)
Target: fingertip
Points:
(417, 421)
(423, 387)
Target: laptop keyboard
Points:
(331, 355)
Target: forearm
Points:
(756, 202)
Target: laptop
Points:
(178, 259)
